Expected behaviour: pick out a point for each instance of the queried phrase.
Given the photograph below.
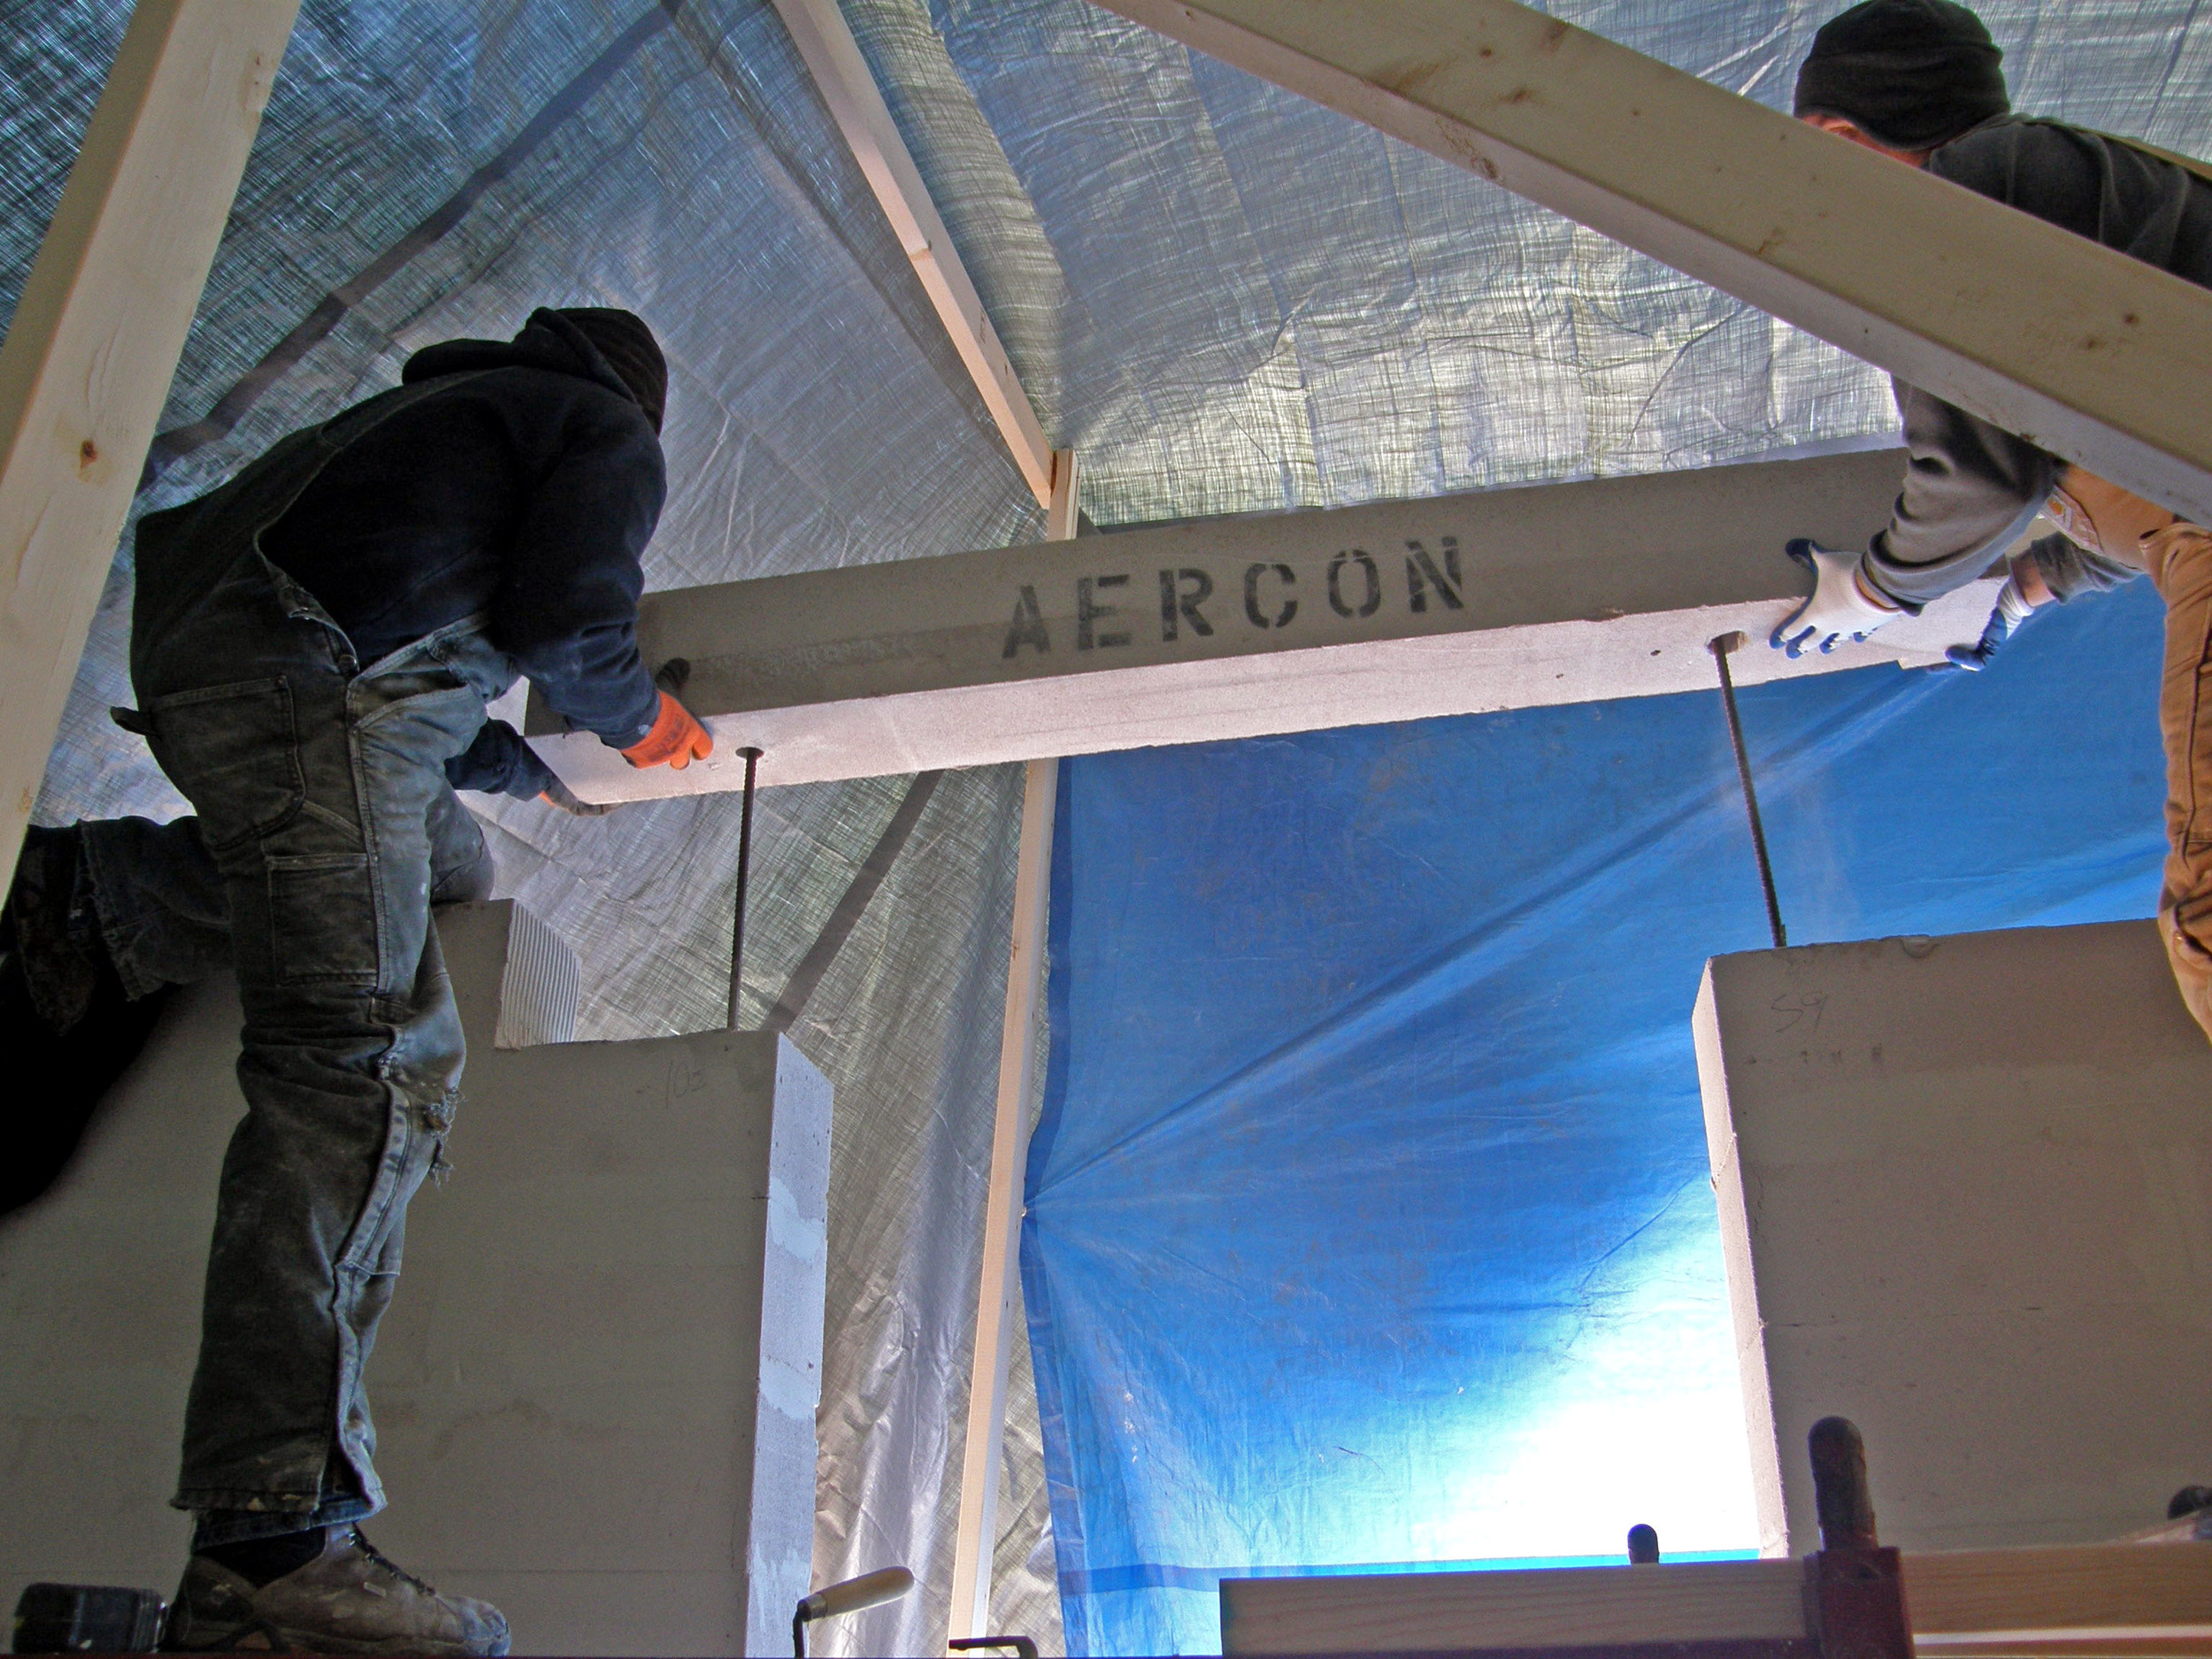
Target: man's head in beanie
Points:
(1908, 74)
(622, 338)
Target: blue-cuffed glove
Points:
(2012, 608)
(1836, 611)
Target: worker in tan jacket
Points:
(1920, 82)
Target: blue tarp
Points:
(1369, 1212)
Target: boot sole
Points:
(304, 1642)
(281, 1641)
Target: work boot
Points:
(347, 1600)
(65, 1022)
(43, 929)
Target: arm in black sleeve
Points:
(566, 609)
(499, 762)
(2068, 571)
(1970, 490)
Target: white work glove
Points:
(1836, 611)
(2012, 608)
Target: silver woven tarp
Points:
(818, 416)
(1229, 300)
(1226, 299)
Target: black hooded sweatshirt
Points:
(527, 493)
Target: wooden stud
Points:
(2095, 1598)
(2070, 1593)
(998, 1293)
(1432, 1612)
(2096, 357)
(832, 57)
(94, 341)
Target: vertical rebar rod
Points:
(744, 875)
(1720, 647)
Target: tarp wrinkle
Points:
(1370, 1224)
(1227, 300)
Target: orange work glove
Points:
(676, 739)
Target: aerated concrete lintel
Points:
(1245, 627)
(1963, 1185)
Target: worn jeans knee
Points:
(461, 868)
(159, 900)
(163, 915)
(324, 807)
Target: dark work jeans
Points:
(159, 897)
(324, 831)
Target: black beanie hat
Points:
(622, 338)
(1912, 74)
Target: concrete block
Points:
(1965, 1193)
(1245, 627)
(595, 1389)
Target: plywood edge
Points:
(1715, 1600)
(2069, 1592)
(2080, 1599)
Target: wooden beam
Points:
(2066, 1594)
(1441, 1612)
(1063, 509)
(1512, 598)
(998, 1291)
(832, 57)
(95, 339)
(2096, 357)
(2092, 1599)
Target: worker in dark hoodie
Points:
(313, 647)
(1920, 82)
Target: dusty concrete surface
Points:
(1965, 1192)
(1244, 627)
(595, 1389)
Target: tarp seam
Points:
(846, 917)
(233, 405)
